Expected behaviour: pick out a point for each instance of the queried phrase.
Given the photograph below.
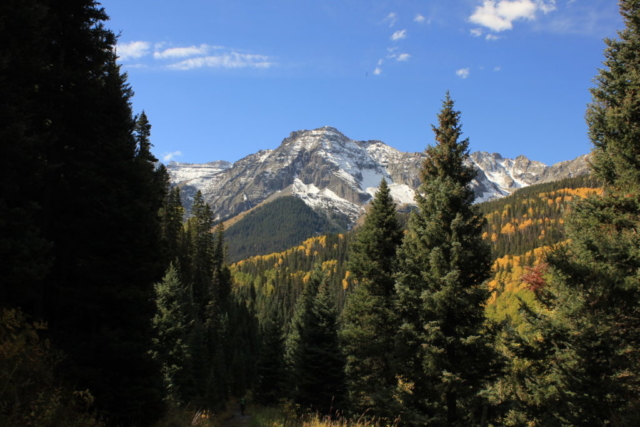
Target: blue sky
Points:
(222, 79)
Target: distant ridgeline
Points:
(520, 227)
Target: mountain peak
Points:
(338, 175)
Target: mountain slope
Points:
(276, 226)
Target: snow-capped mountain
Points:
(334, 173)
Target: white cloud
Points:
(227, 60)
(463, 73)
(403, 57)
(380, 61)
(497, 68)
(132, 50)
(377, 71)
(167, 157)
(499, 15)
(476, 32)
(419, 18)
(183, 52)
(399, 35)
(392, 18)
(492, 37)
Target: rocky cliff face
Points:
(336, 174)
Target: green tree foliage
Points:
(270, 384)
(173, 326)
(369, 319)
(313, 355)
(445, 358)
(532, 217)
(24, 56)
(279, 278)
(585, 364)
(206, 336)
(614, 112)
(83, 234)
(276, 226)
(171, 217)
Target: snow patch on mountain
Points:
(324, 199)
(196, 173)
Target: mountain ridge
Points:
(333, 173)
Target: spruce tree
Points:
(270, 368)
(587, 355)
(79, 237)
(315, 362)
(444, 358)
(171, 216)
(614, 112)
(369, 319)
(173, 325)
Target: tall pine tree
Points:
(315, 362)
(369, 319)
(588, 373)
(173, 328)
(444, 356)
(78, 218)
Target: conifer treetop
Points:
(613, 115)
(446, 160)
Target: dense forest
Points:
(276, 226)
(119, 311)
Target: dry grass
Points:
(286, 417)
(183, 417)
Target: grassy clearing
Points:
(286, 417)
(181, 417)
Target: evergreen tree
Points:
(369, 319)
(270, 369)
(171, 216)
(200, 254)
(81, 228)
(587, 358)
(172, 325)
(614, 112)
(315, 362)
(24, 250)
(444, 356)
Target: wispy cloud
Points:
(403, 57)
(132, 50)
(499, 15)
(377, 71)
(399, 35)
(492, 37)
(420, 19)
(391, 18)
(184, 52)
(227, 60)
(497, 68)
(463, 73)
(190, 57)
(167, 157)
(476, 32)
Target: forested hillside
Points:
(533, 216)
(519, 228)
(278, 225)
(278, 278)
